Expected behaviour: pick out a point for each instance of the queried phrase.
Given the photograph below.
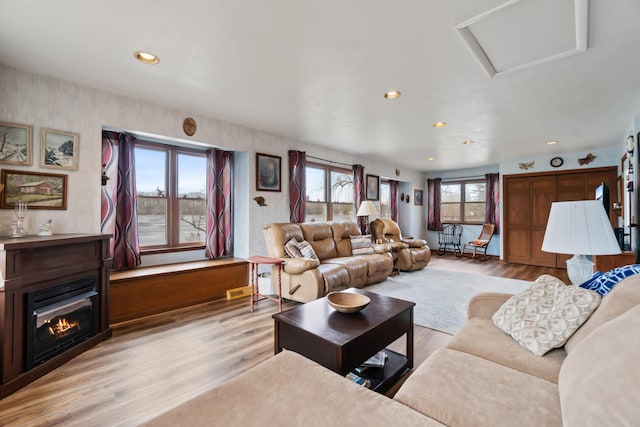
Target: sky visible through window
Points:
(150, 177)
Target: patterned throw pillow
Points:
(291, 248)
(307, 250)
(479, 242)
(606, 281)
(361, 245)
(545, 315)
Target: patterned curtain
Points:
(297, 186)
(119, 211)
(434, 219)
(219, 239)
(358, 196)
(492, 205)
(394, 200)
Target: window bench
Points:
(151, 290)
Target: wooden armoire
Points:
(527, 201)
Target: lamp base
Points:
(580, 269)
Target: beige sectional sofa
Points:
(305, 279)
(481, 378)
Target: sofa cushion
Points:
(481, 338)
(361, 245)
(603, 283)
(342, 232)
(459, 389)
(624, 296)
(600, 380)
(335, 277)
(356, 267)
(292, 249)
(306, 250)
(546, 314)
(290, 390)
(320, 235)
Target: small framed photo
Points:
(417, 197)
(59, 149)
(373, 187)
(268, 172)
(16, 144)
(38, 190)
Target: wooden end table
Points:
(342, 342)
(254, 263)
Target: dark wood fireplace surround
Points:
(31, 264)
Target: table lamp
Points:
(367, 208)
(579, 228)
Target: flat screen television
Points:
(602, 194)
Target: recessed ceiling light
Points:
(551, 142)
(468, 142)
(431, 158)
(146, 57)
(392, 94)
(439, 124)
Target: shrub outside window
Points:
(463, 202)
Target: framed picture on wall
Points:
(59, 149)
(38, 190)
(373, 187)
(16, 144)
(268, 172)
(417, 197)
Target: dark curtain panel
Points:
(119, 205)
(297, 186)
(394, 200)
(434, 219)
(219, 239)
(492, 205)
(358, 189)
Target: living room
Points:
(595, 90)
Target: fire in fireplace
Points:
(59, 318)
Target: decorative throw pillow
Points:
(608, 280)
(479, 242)
(307, 250)
(361, 245)
(545, 315)
(291, 248)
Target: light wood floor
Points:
(154, 364)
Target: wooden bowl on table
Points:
(346, 302)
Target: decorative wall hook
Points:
(586, 160)
(260, 201)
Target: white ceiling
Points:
(316, 71)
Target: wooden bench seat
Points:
(151, 290)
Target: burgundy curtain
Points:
(219, 239)
(434, 219)
(119, 211)
(393, 185)
(297, 186)
(492, 205)
(358, 189)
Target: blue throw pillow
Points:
(587, 284)
(605, 282)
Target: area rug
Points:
(442, 296)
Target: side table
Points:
(254, 263)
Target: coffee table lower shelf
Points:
(383, 378)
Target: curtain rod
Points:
(463, 177)
(328, 161)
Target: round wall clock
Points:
(189, 126)
(556, 162)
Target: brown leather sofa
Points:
(305, 279)
(412, 254)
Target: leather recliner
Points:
(412, 254)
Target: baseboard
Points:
(237, 293)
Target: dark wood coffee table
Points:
(341, 342)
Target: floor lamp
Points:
(367, 208)
(579, 228)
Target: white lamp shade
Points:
(367, 208)
(580, 227)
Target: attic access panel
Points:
(524, 33)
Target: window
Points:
(170, 186)
(329, 194)
(463, 202)
(385, 199)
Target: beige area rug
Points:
(442, 296)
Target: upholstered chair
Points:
(409, 253)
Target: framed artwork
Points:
(16, 144)
(38, 190)
(59, 149)
(373, 187)
(417, 197)
(268, 172)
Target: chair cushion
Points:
(546, 314)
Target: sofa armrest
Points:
(415, 243)
(483, 305)
(300, 265)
